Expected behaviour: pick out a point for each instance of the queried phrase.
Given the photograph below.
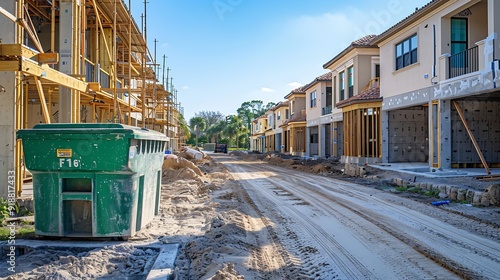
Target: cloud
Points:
(185, 87)
(350, 23)
(333, 28)
(295, 85)
(266, 89)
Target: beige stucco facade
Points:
(365, 62)
(430, 93)
(257, 138)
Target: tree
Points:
(249, 111)
(235, 128)
(252, 109)
(210, 117)
(216, 131)
(197, 124)
(184, 127)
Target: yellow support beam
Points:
(16, 50)
(44, 71)
(45, 110)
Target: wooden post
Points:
(45, 111)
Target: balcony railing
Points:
(104, 78)
(464, 62)
(326, 110)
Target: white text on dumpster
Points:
(69, 162)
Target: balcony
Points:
(326, 110)
(464, 62)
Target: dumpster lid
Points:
(92, 128)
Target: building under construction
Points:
(77, 61)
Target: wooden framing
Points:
(363, 130)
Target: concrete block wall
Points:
(483, 119)
(407, 135)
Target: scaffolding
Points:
(80, 61)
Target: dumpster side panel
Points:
(46, 189)
(61, 152)
(115, 205)
(148, 166)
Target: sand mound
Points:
(179, 162)
(320, 168)
(238, 153)
(185, 173)
(227, 272)
(275, 160)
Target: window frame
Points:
(314, 97)
(406, 53)
(464, 42)
(350, 81)
(342, 85)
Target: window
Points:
(313, 99)
(279, 115)
(350, 80)
(341, 85)
(458, 35)
(406, 52)
(334, 90)
(459, 43)
(287, 114)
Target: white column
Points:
(7, 105)
(65, 57)
(494, 24)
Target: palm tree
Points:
(184, 127)
(235, 128)
(197, 124)
(215, 130)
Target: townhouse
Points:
(281, 115)
(355, 72)
(258, 134)
(319, 104)
(294, 129)
(425, 90)
(439, 73)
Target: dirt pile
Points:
(175, 167)
(197, 210)
(114, 262)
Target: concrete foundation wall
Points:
(483, 119)
(408, 135)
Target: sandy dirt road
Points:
(322, 228)
(242, 218)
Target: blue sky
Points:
(225, 52)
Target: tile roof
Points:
(371, 94)
(300, 118)
(297, 90)
(363, 42)
(323, 78)
(260, 117)
(419, 12)
(280, 104)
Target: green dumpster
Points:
(93, 180)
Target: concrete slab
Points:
(163, 268)
(423, 169)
